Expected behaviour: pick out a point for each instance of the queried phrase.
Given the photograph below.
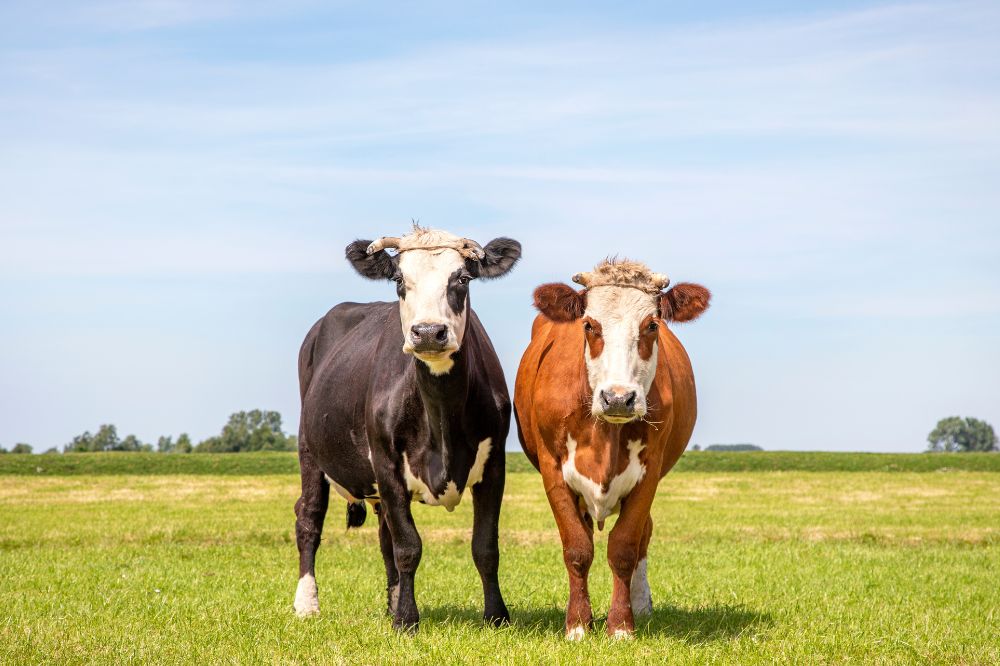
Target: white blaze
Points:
(620, 312)
(426, 274)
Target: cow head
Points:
(620, 310)
(432, 271)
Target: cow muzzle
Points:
(430, 339)
(619, 404)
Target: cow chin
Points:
(438, 362)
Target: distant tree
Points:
(2, 450)
(80, 443)
(21, 447)
(165, 444)
(255, 430)
(696, 447)
(962, 435)
(132, 443)
(183, 444)
(51, 450)
(733, 447)
(106, 439)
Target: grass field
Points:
(112, 561)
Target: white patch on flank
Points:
(449, 499)
(306, 597)
(622, 635)
(642, 598)
(576, 633)
(600, 504)
(620, 311)
(482, 453)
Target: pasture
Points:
(755, 558)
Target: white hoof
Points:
(622, 635)
(641, 597)
(306, 597)
(576, 633)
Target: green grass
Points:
(245, 464)
(746, 567)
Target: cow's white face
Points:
(433, 288)
(621, 326)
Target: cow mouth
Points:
(434, 352)
(433, 355)
(617, 419)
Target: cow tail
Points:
(356, 514)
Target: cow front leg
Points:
(624, 547)
(486, 498)
(577, 537)
(406, 551)
(310, 511)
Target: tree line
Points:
(254, 430)
(260, 430)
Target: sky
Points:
(178, 180)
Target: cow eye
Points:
(587, 327)
(464, 279)
(652, 327)
(398, 279)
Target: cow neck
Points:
(444, 396)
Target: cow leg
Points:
(388, 558)
(406, 550)
(486, 498)
(310, 511)
(624, 546)
(642, 598)
(578, 550)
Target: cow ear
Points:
(684, 302)
(376, 266)
(560, 302)
(501, 255)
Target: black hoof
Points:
(406, 626)
(499, 618)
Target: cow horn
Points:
(471, 249)
(383, 243)
(583, 278)
(660, 281)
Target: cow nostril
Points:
(604, 399)
(630, 400)
(415, 330)
(441, 335)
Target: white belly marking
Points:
(451, 497)
(601, 504)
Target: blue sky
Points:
(178, 180)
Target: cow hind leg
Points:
(406, 550)
(389, 559)
(310, 511)
(486, 497)
(641, 597)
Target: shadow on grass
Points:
(693, 625)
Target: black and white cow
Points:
(406, 400)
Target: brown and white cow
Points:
(605, 405)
